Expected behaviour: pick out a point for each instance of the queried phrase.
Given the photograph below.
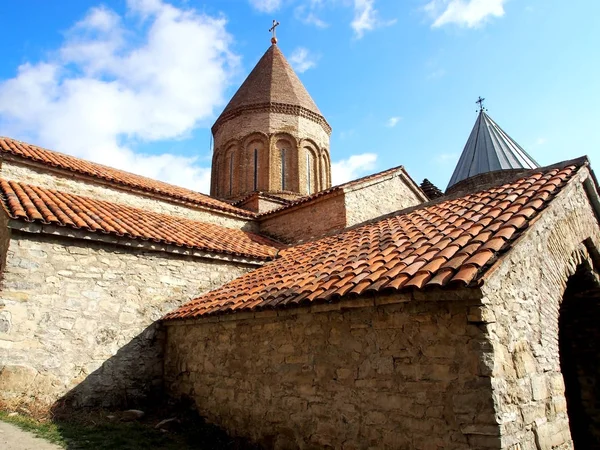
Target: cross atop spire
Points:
(272, 30)
(480, 101)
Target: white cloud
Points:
(540, 141)
(352, 168)
(309, 17)
(466, 13)
(98, 95)
(446, 158)
(301, 60)
(308, 13)
(393, 121)
(266, 6)
(366, 18)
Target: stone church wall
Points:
(385, 196)
(336, 210)
(80, 186)
(78, 317)
(398, 375)
(524, 295)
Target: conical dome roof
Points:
(489, 149)
(272, 81)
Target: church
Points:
(380, 313)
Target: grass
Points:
(96, 431)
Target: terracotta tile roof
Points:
(449, 243)
(113, 176)
(35, 204)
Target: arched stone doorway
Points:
(579, 346)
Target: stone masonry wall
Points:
(306, 221)
(387, 196)
(524, 294)
(79, 316)
(404, 375)
(79, 186)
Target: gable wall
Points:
(80, 186)
(307, 221)
(79, 316)
(403, 375)
(524, 295)
(377, 199)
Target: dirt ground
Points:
(13, 438)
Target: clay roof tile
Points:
(429, 249)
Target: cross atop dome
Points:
(489, 149)
(273, 30)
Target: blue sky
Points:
(137, 83)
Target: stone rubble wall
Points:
(399, 375)
(80, 316)
(69, 183)
(524, 294)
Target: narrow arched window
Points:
(283, 169)
(308, 174)
(255, 169)
(231, 175)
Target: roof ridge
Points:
(114, 176)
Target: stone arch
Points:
(325, 169)
(256, 159)
(216, 173)
(579, 351)
(231, 176)
(311, 167)
(285, 163)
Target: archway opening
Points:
(579, 347)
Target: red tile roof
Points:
(449, 243)
(113, 176)
(35, 204)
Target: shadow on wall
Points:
(132, 378)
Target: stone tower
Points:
(271, 137)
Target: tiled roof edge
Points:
(522, 235)
(263, 195)
(130, 242)
(348, 302)
(232, 210)
(57, 227)
(579, 162)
